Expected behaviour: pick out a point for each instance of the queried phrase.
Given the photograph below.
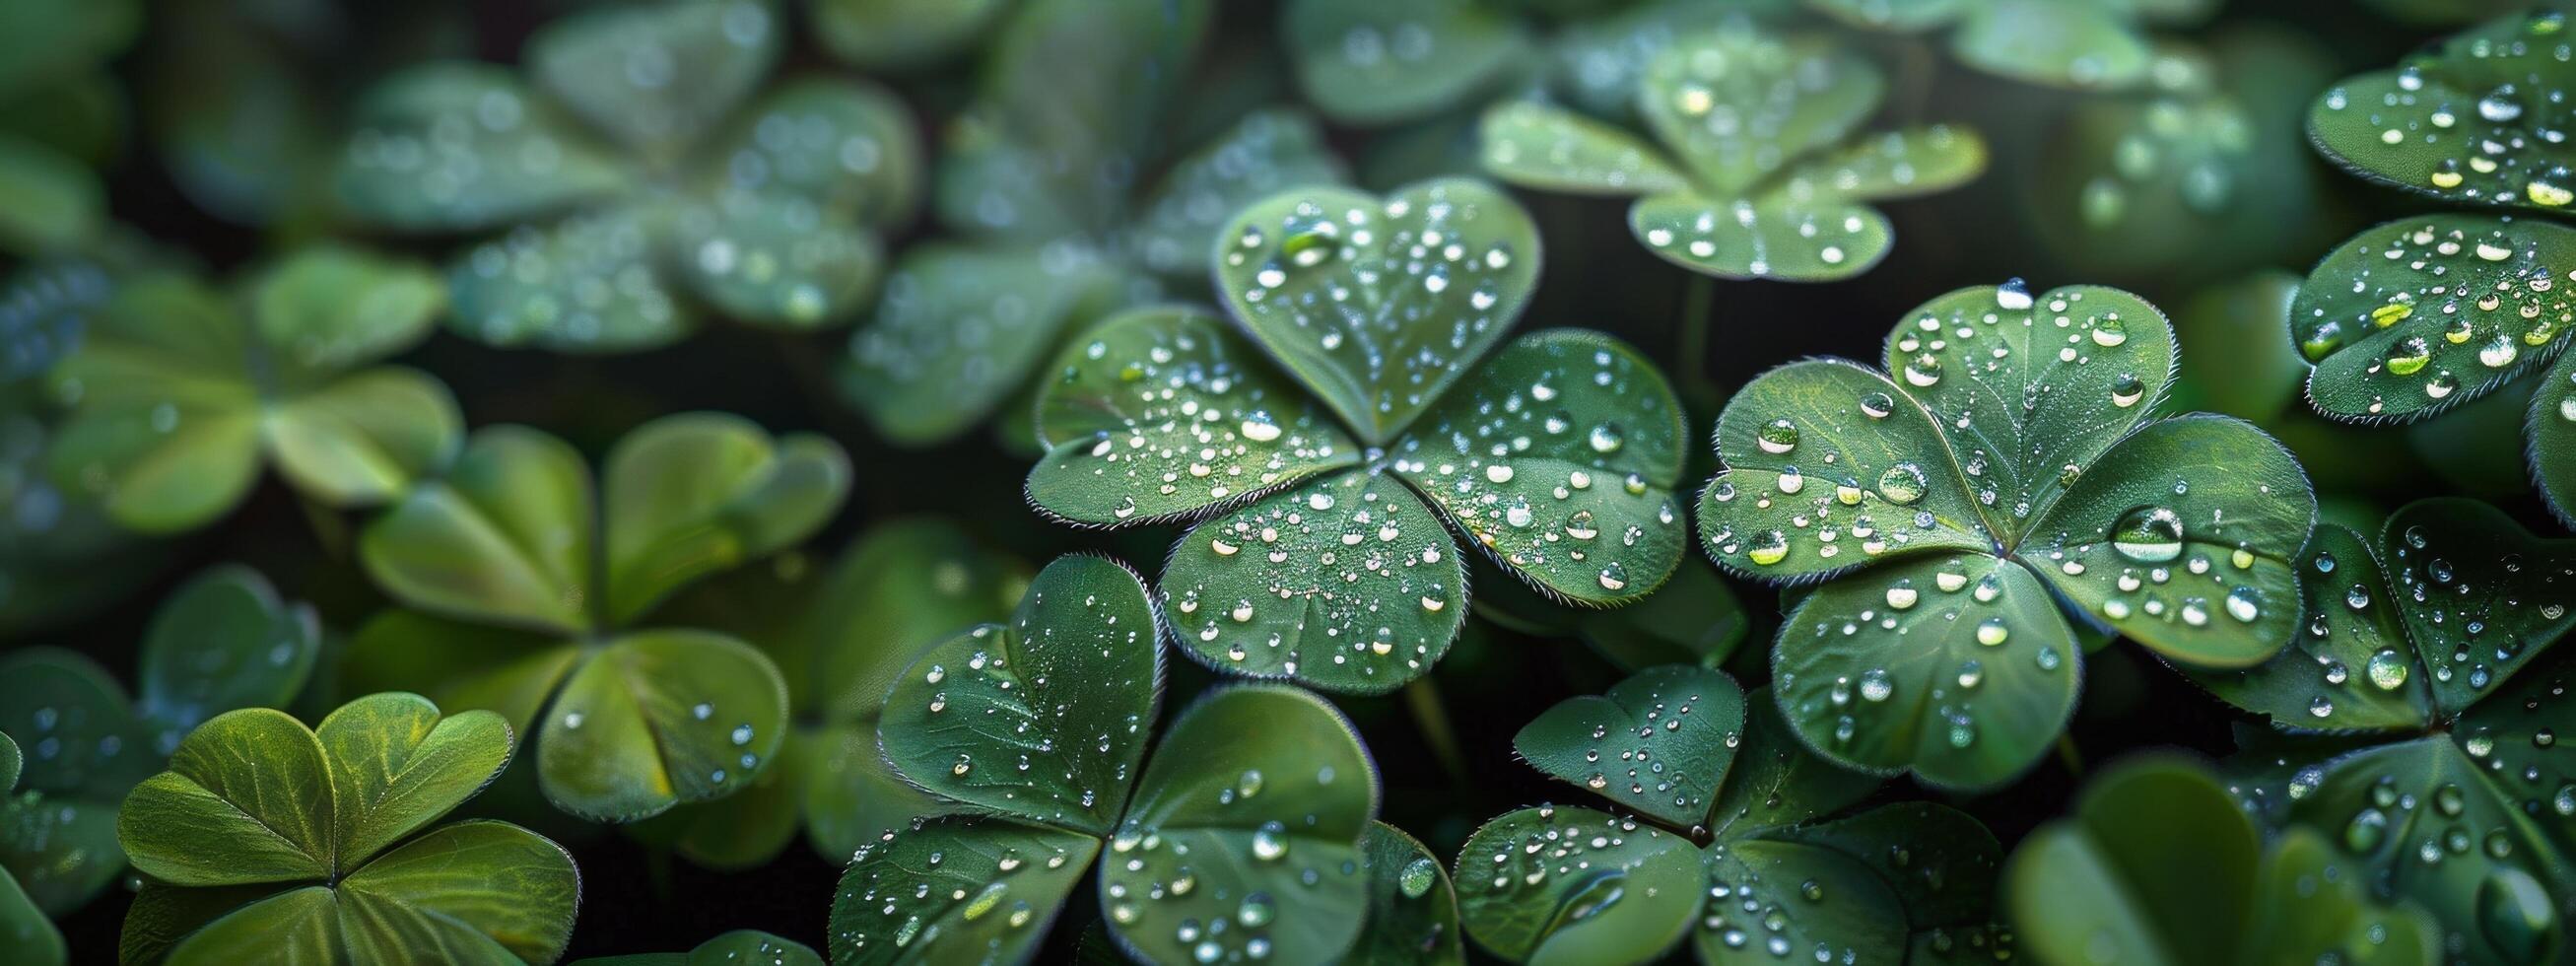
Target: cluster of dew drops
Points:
(1846, 695)
(738, 735)
(2509, 121)
(1361, 557)
(1168, 874)
(2507, 316)
(1637, 757)
(1185, 429)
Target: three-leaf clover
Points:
(643, 192)
(179, 392)
(2002, 484)
(1076, 203)
(840, 638)
(1679, 745)
(2443, 776)
(737, 947)
(2095, 44)
(1326, 485)
(268, 840)
(2410, 318)
(525, 590)
(1761, 175)
(1239, 839)
(222, 641)
(22, 924)
(2102, 885)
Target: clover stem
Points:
(329, 529)
(1422, 698)
(1697, 300)
(2066, 753)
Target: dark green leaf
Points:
(2349, 665)
(956, 889)
(2472, 120)
(656, 76)
(1776, 781)
(457, 146)
(1571, 885)
(660, 718)
(1267, 152)
(224, 640)
(1767, 898)
(958, 331)
(1658, 744)
(901, 34)
(1413, 911)
(1366, 62)
(2414, 316)
(48, 201)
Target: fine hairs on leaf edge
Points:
(2521, 367)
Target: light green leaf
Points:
(958, 330)
(1346, 583)
(1081, 659)
(1903, 163)
(1958, 669)
(991, 894)
(660, 718)
(1379, 305)
(2349, 665)
(1658, 744)
(1767, 897)
(2414, 316)
(164, 434)
(49, 202)
(223, 640)
(2184, 537)
(505, 537)
(657, 76)
(586, 283)
(1738, 106)
(901, 35)
(1875, 454)
(2469, 121)
(1555, 885)
(330, 306)
(297, 926)
(2085, 45)
(365, 439)
(1374, 63)
(1536, 145)
(1269, 151)
(397, 766)
(1560, 459)
(1257, 799)
(460, 891)
(696, 493)
(1413, 911)
(247, 799)
(775, 260)
(457, 146)
(1162, 412)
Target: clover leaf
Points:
(641, 184)
(57, 53)
(2472, 120)
(1676, 744)
(223, 641)
(1760, 175)
(2102, 886)
(1413, 910)
(2003, 486)
(2085, 44)
(840, 639)
(178, 393)
(738, 946)
(22, 923)
(2425, 655)
(1075, 205)
(1375, 62)
(1324, 488)
(526, 590)
(1241, 837)
(901, 35)
(266, 839)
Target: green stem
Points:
(1698, 300)
(1423, 699)
(2066, 753)
(329, 529)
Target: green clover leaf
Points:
(2083, 44)
(1760, 174)
(1676, 744)
(2471, 121)
(54, 80)
(1241, 836)
(2008, 475)
(2424, 655)
(1041, 172)
(902, 35)
(641, 181)
(178, 396)
(22, 923)
(267, 839)
(2102, 885)
(526, 592)
(1372, 62)
(1413, 910)
(1324, 488)
(840, 638)
(223, 641)
(738, 946)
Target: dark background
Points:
(1493, 681)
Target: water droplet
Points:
(2148, 534)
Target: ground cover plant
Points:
(1287, 481)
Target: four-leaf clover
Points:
(642, 191)
(1335, 474)
(1239, 839)
(525, 590)
(2003, 486)
(267, 840)
(1763, 178)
